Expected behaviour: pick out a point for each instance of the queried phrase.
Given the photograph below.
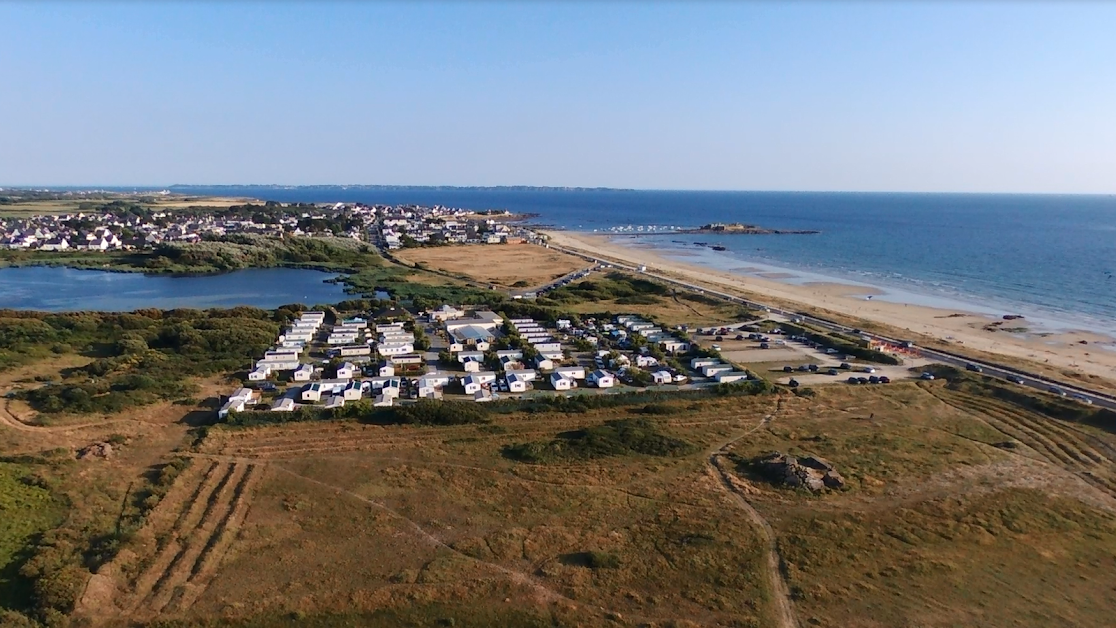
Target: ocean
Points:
(1051, 258)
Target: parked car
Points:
(764, 345)
(793, 383)
(884, 379)
(803, 368)
(853, 380)
(740, 336)
(868, 369)
(873, 380)
(845, 365)
(719, 338)
(813, 368)
(788, 369)
(862, 380)
(832, 371)
(927, 376)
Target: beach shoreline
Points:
(1086, 353)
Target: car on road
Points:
(788, 369)
(1015, 379)
(813, 368)
(1057, 391)
(974, 368)
(719, 338)
(926, 376)
(832, 372)
(1083, 399)
(740, 336)
(803, 369)
(868, 369)
(845, 365)
(764, 345)
(715, 347)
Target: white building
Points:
(348, 370)
(601, 379)
(303, 373)
(560, 382)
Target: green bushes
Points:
(842, 343)
(623, 288)
(613, 438)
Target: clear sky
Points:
(996, 97)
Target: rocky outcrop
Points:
(96, 450)
(809, 472)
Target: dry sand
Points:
(1062, 351)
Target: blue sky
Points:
(996, 97)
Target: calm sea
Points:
(1050, 257)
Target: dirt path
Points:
(783, 611)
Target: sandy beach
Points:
(1088, 355)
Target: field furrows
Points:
(198, 541)
(188, 518)
(205, 567)
(1045, 436)
(217, 510)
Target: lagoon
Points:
(56, 289)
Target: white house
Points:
(731, 376)
(472, 366)
(386, 369)
(697, 363)
(645, 361)
(346, 371)
(560, 382)
(353, 391)
(400, 348)
(601, 379)
(336, 401)
(286, 404)
(482, 395)
(383, 401)
(527, 375)
(709, 370)
(434, 380)
(355, 350)
(675, 346)
(313, 392)
(544, 363)
(237, 402)
(303, 373)
(446, 313)
(471, 384)
(392, 387)
(662, 377)
(547, 347)
(571, 372)
(516, 384)
(260, 373)
(465, 356)
(513, 354)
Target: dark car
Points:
(764, 345)
(719, 338)
(884, 379)
(1015, 379)
(873, 380)
(793, 383)
(740, 336)
(1057, 391)
(974, 368)
(853, 380)
(788, 369)
(862, 380)
(832, 371)
(813, 367)
(845, 365)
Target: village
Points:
(452, 353)
(119, 227)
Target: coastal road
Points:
(998, 371)
(577, 274)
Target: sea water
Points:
(1046, 256)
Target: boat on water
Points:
(700, 243)
(718, 247)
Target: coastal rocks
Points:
(96, 450)
(809, 472)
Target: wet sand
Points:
(1063, 350)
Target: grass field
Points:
(72, 206)
(958, 510)
(508, 265)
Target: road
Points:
(998, 371)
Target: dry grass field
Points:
(72, 206)
(942, 522)
(508, 265)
